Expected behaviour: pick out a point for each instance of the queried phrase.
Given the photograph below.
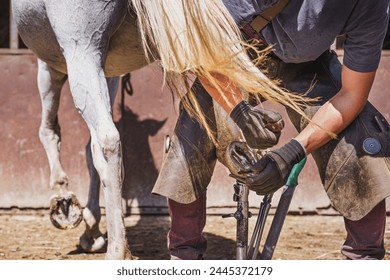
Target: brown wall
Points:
(151, 114)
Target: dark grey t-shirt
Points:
(306, 28)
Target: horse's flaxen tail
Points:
(200, 37)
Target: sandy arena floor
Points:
(26, 236)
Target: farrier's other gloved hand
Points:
(261, 128)
(271, 172)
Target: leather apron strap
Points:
(267, 15)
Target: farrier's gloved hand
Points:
(261, 128)
(271, 172)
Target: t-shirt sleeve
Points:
(365, 33)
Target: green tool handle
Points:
(293, 177)
(281, 212)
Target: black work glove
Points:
(271, 172)
(261, 128)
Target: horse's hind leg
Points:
(93, 240)
(65, 210)
(50, 83)
(91, 97)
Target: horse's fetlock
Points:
(59, 182)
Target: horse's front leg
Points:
(65, 211)
(93, 240)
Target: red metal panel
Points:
(24, 169)
(151, 114)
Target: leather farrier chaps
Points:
(190, 160)
(355, 167)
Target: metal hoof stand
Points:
(241, 192)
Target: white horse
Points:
(92, 43)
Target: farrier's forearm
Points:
(329, 119)
(231, 94)
(336, 114)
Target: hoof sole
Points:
(65, 211)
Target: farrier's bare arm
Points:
(336, 114)
(232, 93)
(261, 128)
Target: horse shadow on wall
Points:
(140, 175)
(140, 169)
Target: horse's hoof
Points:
(65, 211)
(93, 245)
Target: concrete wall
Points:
(150, 114)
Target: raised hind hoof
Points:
(65, 211)
(93, 245)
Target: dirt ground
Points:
(30, 236)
